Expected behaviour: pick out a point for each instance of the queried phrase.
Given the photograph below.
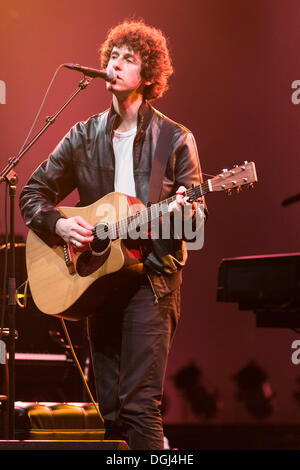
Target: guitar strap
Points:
(159, 164)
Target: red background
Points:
(234, 63)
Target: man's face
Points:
(127, 65)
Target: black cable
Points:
(80, 369)
(41, 107)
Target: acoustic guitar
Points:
(59, 275)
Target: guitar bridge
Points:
(69, 258)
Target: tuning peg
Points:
(250, 186)
(238, 189)
(224, 170)
(228, 192)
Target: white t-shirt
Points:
(123, 150)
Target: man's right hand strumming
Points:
(75, 230)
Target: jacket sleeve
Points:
(187, 164)
(169, 254)
(50, 183)
(188, 172)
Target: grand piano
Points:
(268, 285)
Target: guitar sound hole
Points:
(88, 262)
(98, 246)
(101, 239)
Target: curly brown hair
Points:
(151, 44)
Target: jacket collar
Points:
(145, 114)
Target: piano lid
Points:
(262, 280)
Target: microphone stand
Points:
(8, 176)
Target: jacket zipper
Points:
(153, 290)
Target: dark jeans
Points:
(130, 340)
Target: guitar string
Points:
(120, 227)
(163, 205)
(101, 233)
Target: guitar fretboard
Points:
(120, 228)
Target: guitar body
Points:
(53, 288)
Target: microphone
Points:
(109, 74)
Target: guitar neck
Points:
(227, 180)
(145, 216)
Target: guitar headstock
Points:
(234, 179)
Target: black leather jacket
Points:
(84, 159)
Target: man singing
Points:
(130, 335)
